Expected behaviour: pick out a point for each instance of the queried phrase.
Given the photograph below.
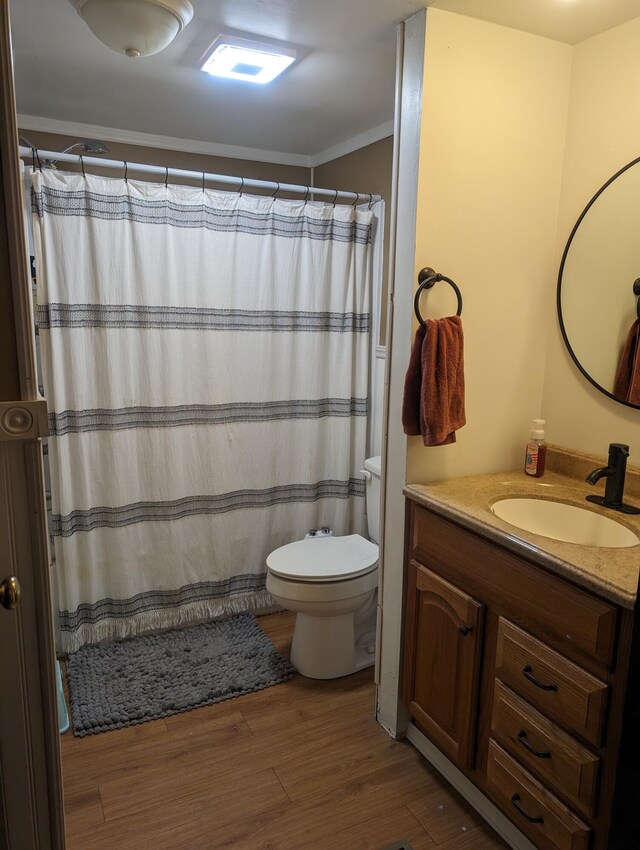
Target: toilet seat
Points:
(324, 560)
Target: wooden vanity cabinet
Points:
(522, 679)
(444, 631)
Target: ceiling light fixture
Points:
(135, 27)
(241, 59)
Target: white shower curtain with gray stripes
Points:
(205, 361)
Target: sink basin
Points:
(568, 523)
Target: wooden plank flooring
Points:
(300, 766)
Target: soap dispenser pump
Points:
(536, 453)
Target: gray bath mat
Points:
(118, 684)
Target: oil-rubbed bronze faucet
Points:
(614, 488)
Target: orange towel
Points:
(433, 403)
(413, 387)
(626, 385)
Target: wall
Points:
(486, 174)
(366, 170)
(493, 122)
(602, 135)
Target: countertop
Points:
(612, 573)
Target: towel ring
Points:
(427, 278)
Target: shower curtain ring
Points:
(35, 159)
(82, 165)
(203, 178)
(277, 190)
(335, 197)
(126, 170)
(356, 199)
(166, 176)
(370, 201)
(306, 194)
(241, 187)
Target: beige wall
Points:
(602, 135)
(493, 121)
(366, 170)
(180, 159)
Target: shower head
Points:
(87, 146)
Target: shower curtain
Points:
(205, 361)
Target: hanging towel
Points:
(626, 385)
(433, 404)
(413, 387)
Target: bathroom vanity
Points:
(519, 660)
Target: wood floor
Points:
(300, 766)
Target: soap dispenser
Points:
(536, 453)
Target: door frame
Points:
(31, 809)
(390, 711)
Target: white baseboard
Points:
(485, 808)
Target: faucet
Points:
(614, 472)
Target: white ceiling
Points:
(343, 84)
(341, 87)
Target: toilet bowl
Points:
(331, 583)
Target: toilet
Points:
(331, 583)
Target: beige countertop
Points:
(610, 572)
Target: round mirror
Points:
(599, 285)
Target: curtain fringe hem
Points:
(147, 622)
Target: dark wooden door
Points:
(31, 815)
(443, 643)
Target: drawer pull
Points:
(464, 630)
(522, 739)
(528, 672)
(515, 800)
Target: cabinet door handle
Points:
(515, 800)
(522, 739)
(528, 672)
(464, 630)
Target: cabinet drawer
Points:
(540, 815)
(557, 686)
(537, 597)
(548, 752)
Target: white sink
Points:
(564, 522)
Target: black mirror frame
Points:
(563, 330)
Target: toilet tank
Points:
(372, 467)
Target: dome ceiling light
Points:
(135, 27)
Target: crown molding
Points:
(151, 140)
(376, 134)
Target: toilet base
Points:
(329, 647)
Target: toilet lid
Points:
(324, 559)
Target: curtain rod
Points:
(167, 172)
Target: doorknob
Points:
(10, 592)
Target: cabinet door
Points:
(443, 642)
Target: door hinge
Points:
(23, 420)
